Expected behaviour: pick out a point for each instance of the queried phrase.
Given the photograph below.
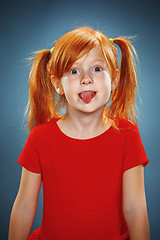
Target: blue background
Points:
(27, 26)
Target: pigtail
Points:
(45, 103)
(124, 96)
(40, 91)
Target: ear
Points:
(115, 80)
(57, 85)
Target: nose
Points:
(86, 80)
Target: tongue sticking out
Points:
(87, 96)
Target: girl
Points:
(91, 159)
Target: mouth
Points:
(87, 96)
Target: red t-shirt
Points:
(82, 180)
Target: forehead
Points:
(95, 54)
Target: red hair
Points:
(45, 103)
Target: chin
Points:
(89, 110)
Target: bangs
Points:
(74, 45)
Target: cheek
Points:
(107, 91)
(67, 85)
(106, 83)
(69, 91)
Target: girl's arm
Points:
(134, 204)
(25, 205)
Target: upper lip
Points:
(87, 91)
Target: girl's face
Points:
(89, 73)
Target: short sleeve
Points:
(134, 150)
(29, 158)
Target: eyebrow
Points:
(99, 60)
(94, 60)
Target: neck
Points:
(85, 124)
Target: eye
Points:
(97, 69)
(74, 71)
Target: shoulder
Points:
(42, 130)
(125, 125)
(45, 126)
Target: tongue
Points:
(87, 96)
